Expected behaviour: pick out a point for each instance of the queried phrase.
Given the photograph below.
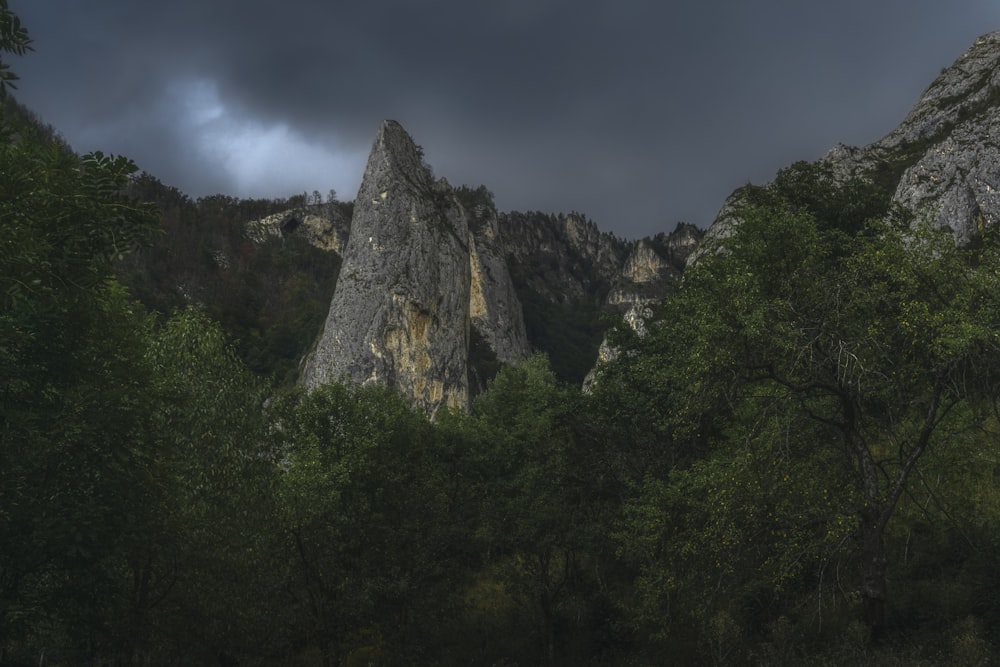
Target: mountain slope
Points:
(942, 163)
(946, 151)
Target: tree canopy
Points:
(796, 464)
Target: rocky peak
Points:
(681, 242)
(961, 93)
(427, 300)
(943, 160)
(400, 310)
(652, 264)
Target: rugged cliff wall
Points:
(570, 275)
(400, 311)
(495, 310)
(650, 270)
(943, 161)
(945, 155)
(437, 288)
(652, 265)
(561, 257)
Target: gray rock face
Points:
(649, 271)
(725, 221)
(560, 257)
(946, 152)
(425, 267)
(652, 265)
(957, 183)
(322, 225)
(943, 161)
(493, 304)
(400, 311)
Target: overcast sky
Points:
(638, 113)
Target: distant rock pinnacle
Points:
(400, 311)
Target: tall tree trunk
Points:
(872, 528)
(873, 566)
(550, 631)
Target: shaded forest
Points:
(796, 465)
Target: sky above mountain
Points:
(637, 113)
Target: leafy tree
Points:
(70, 358)
(543, 500)
(270, 296)
(368, 524)
(203, 566)
(13, 39)
(875, 346)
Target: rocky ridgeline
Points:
(946, 151)
(651, 268)
(943, 161)
(422, 272)
(652, 265)
(426, 268)
(561, 257)
(323, 225)
(566, 257)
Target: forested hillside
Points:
(796, 465)
(270, 294)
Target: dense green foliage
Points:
(13, 39)
(569, 332)
(813, 368)
(796, 465)
(271, 296)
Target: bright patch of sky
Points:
(262, 159)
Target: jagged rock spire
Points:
(400, 311)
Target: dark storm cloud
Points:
(637, 113)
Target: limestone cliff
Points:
(569, 275)
(649, 271)
(946, 152)
(323, 225)
(493, 304)
(652, 265)
(437, 288)
(401, 309)
(943, 161)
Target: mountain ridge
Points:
(548, 281)
(426, 265)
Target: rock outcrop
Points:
(569, 275)
(942, 163)
(494, 308)
(652, 265)
(650, 270)
(400, 313)
(322, 225)
(432, 289)
(946, 152)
